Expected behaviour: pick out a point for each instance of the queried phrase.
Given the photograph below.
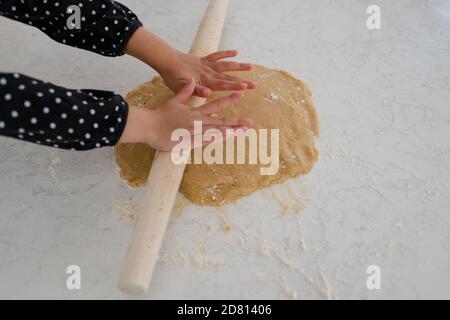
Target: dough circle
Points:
(280, 101)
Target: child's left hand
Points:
(208, 73)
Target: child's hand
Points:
(154, 127)
(177, 68)
(208, 73)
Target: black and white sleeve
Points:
(43, 113)
(101, 26)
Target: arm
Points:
(105, 25)
(43, 113)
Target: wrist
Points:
(169, 62)
(152, 50)
(138, 126)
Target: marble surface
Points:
(379, 194)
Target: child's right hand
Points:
(155, 126)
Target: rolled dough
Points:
(279, 101)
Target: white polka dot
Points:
(21, 87)
(119, 120)
(45, 110)
(58, 137)
(106, 28)
(8, 96)
(3, 81)
(27, 104)
(69, 94)
(75, 107)
(84, 102)
(81, 121)
(98, 145)
(95, 125)
(101, 104)
(87, 135)
(52, 125)
(111, 129)
(40, 94)
(2, 124)
(14, 114)
(56, 146)
(64, 115)
(82, 143)
(107, 117)
(92, 111)
(30, 134)
(20, 136)
(51, 90)
(70, 130)
(34, 82)
(93, 12)
(21, 130)
(33, 120)
(58, 100)
(116, 22)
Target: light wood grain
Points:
(165, 178)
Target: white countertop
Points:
(379, 194)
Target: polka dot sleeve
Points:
(47, 114)
(101, 26)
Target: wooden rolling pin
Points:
(165, 177)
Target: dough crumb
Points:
(125, 209)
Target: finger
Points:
(222, 66)
(225, 85)
(186, 92)
(213, 57)
(250, 84)
(228, 77)
(219, 104)
(227, 122)
(202, 91)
